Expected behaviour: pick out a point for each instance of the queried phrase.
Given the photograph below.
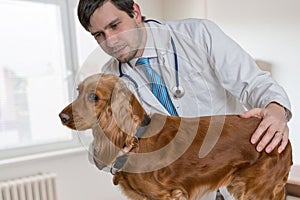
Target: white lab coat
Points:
(218, 76)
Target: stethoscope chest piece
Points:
(178, 91)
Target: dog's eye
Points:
(93, 97)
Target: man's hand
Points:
(273, 128)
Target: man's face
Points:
(118, 35)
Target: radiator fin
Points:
(36, 187)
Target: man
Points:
(194, 58)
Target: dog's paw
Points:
(177, 194)
(132, 142)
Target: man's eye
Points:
(98, 36)
(93, 97)
(114, 26)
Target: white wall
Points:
(269, 30)
(151, 9)
(176, 9)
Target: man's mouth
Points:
(118, 51)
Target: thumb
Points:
(255, 112)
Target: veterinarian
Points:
(205, 72)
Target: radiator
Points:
(36, 187)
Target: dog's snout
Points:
(64, 117)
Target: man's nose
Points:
(111, 40)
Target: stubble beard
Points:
(138, 46)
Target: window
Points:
(36, 74)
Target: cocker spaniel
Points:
(162, 157)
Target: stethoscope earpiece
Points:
(178, 91)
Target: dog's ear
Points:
(106, 147)
(122, 109)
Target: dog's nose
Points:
(64, 117)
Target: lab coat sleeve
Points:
(238, 73)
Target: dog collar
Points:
(123, 153)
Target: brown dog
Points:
(171, 158)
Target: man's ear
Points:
(137, 15)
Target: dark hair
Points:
(87, 7)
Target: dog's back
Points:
(197, 155)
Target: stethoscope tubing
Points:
(176, 62)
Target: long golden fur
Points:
(176, 157)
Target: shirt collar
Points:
(161, 42)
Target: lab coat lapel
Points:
(162, 42)
(145, 96)
(150, 102)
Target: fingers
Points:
(275, 141)
(271, 136)
(263, 126)
(285, 140)
(272, 131)
(256, 112)
(280, 137)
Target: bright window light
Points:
(33, 71)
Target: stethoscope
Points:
(177, 90)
